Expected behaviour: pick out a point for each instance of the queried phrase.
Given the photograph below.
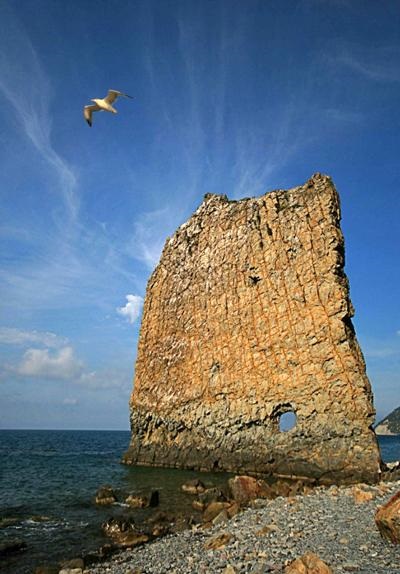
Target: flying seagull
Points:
(103, 105)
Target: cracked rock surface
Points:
(248, 317)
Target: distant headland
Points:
(390, 425)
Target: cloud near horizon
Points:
(40, 363)
(65, 366)
(132, 309)
(12, 336)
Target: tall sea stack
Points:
(248, 317)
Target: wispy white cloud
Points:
(380, 352)
(382, 349)
(58, 365)
(70, 402)
(218, 151)
(48, 276)
(70, 272)
(341, 115)
(378, 64)
(28, 91)
(192, 125)
(63, 365)
(151, 230)
(66, 262)
(216, 141)
(324, 3)
(261, 155)
(12, 336)
(106, 379)
(132, 309)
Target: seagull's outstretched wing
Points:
(113, 95)
(87, 112)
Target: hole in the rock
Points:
(287, 421)
(254, 279)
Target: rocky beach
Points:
(64, 521)
(335, 523)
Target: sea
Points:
(49, 479)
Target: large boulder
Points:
(387, 519)
(243, 489)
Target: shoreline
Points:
(270, 534)
(72, 529)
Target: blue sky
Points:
(235, 97)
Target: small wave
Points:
(33, 522)
(45, 523)
(39, 518)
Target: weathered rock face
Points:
(247, 317)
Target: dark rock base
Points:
(323, 455)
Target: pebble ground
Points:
(266, 537)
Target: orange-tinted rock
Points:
(233, 509)
(246, 488)
(219, 541)
(213, 509)
(361, 495)
(248, 317)
(387, 519)
(310, 563)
